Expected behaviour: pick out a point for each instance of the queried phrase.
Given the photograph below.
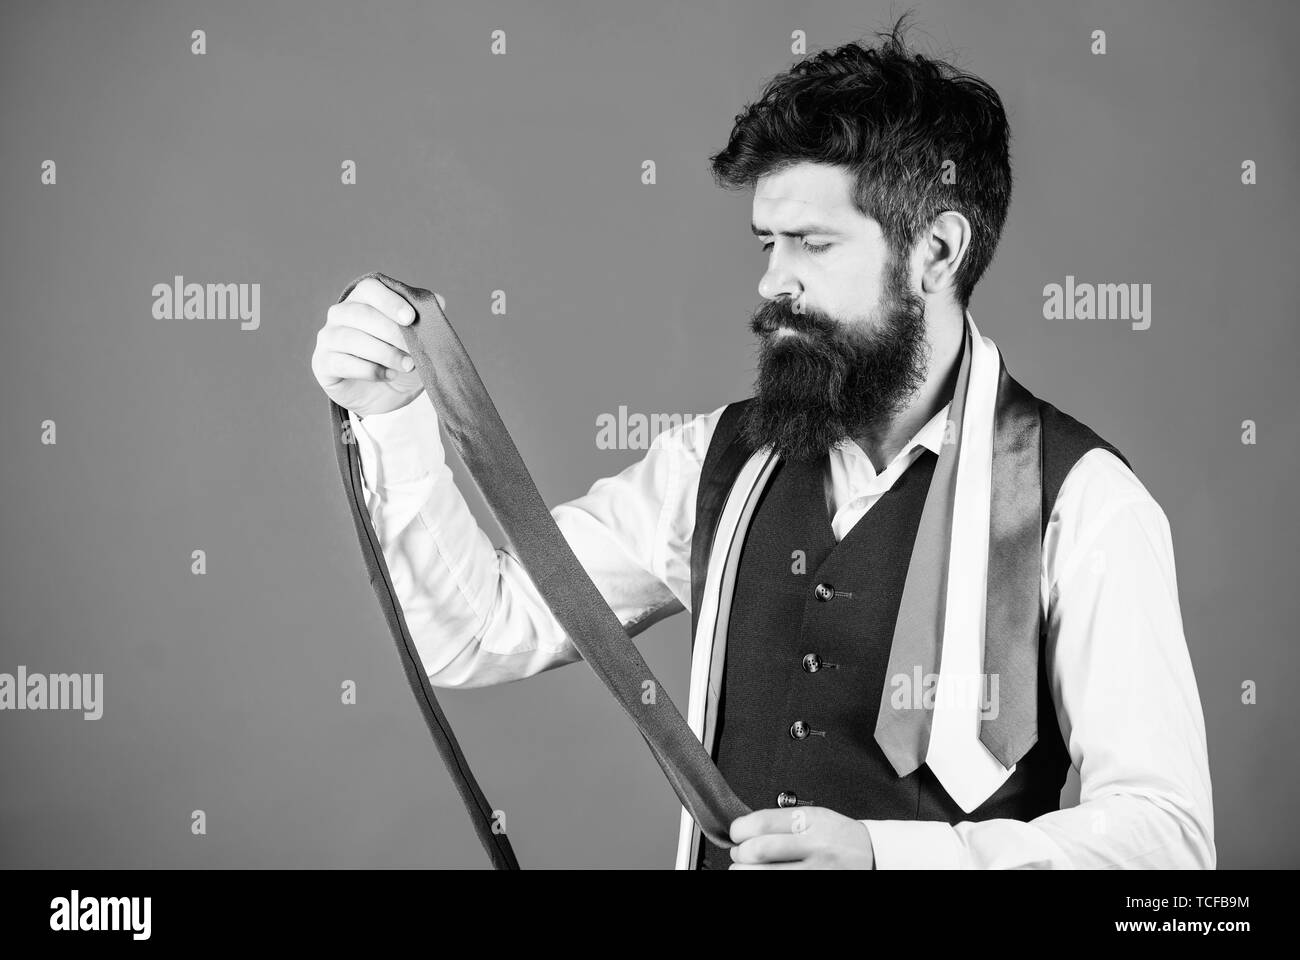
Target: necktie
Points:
(1013, 615)
(1012, 612)
(483, 444)
(903, 730)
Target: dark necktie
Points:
(483, 444)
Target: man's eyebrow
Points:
(802, 230)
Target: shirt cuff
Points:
(399, 446)
(914, 845)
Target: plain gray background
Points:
(522, 173)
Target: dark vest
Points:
(803, 675)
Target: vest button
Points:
(824, 591)
(799, 730)
(811, 663)
(784, 799)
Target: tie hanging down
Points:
(904, 735)
(1012, 616)
(483, 444)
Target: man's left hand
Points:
(800, 838)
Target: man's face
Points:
(842, 334)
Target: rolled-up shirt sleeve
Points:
(472, 609)
(1126, 700)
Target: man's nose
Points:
(778, 281)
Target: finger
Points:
(384, 299)
(342, 366)
(771, 820)
(358, 343)
(363, 316)
(798, 865)
(772, 848)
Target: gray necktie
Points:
(903, 731)
(1013, 617)
(483, 444)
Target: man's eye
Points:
(810, 247)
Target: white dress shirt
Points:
(1120, 675)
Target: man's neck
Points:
(944, 336)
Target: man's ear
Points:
(943, 248)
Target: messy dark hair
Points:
(892, 117)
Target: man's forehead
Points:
(806, 193)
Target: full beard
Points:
(833, 381)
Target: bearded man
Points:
(919, 593)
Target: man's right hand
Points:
(360, 360)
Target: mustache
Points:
(779, 313)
